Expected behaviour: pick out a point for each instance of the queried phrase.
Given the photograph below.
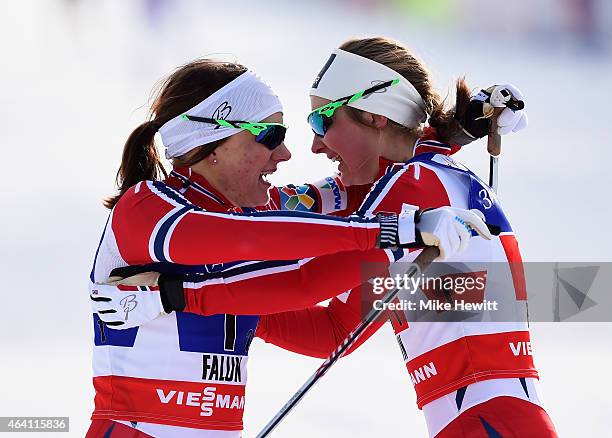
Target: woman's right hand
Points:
(125, 303)
(447, 228)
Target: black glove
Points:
(476, 120)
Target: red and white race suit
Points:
(443, 357)
(496, 352)
(184, 374)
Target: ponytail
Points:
(187, 86)
(446, 122)
(140, 161)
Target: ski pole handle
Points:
(494, 139)
(494, 149)
(427, 256)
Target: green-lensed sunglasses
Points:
(321, 119)
(271, 135)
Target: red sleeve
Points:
(154, 223)
(258, 288)
(318, 330)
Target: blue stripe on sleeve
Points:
(162, 233)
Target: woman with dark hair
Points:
(472, 377)
(183, 374)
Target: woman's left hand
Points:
(513, 118)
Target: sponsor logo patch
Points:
(296, 198)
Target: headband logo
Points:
(222, 111)
(315, 84)
(375, 83)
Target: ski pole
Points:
(503, 98)
(494, 149)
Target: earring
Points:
(214, 161)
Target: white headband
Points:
(345, 73)
(247, 98)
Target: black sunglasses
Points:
(321, 119)
(271, 135)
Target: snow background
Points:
(75, 80)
